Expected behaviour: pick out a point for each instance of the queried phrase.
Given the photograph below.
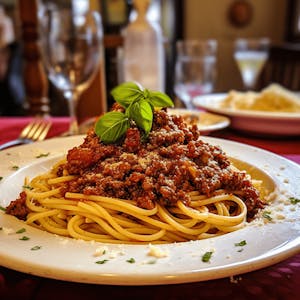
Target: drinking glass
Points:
(71, 44)
(250, 56)
(195, 69)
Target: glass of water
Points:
(195, 69)
(250, 56)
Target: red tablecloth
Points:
(280, 281)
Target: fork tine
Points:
(43, 131)
(27, 129)
(36, 130)
(33, 130)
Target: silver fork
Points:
(36, 130)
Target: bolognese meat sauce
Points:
(163, 168)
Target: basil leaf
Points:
(111, 126)
(126, 93)
(158, 99)
(139, 104)
(141, 112)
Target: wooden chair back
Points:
(283, 67)
(92, 102)
(34, 77)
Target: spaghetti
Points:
(104, 219)
(171, 188)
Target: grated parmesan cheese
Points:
(100, 251)
(7, 230)
(157, 252)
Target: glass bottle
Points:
(143, 52)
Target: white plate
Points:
(73, 260)
(257, 122)
(206, 122)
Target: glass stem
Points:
(72, 98)
(189, 104)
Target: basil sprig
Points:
(139, 104)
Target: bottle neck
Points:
(141, 6)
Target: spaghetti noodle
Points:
(104, 219)
(171, 188)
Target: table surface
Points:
(279, 281)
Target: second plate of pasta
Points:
(252, 121)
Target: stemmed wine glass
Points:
(71, 44)
(250, 56)
(195, 69)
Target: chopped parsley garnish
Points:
(101, 262)
(151, 262)
(294, 200)
(15, 167)
(2, 208)
(24, 238)
(131, 260)
(266, 215)
(138, 103)
(28, 187)
(207, 256)
(21, 230)
(241, 243)
(1, 177)
(36, 248)
(43, 155)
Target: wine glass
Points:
(250, 56)
(195, 69)
(71, 44)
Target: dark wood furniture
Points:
(35, 79)
(92, 102)
(283, 67)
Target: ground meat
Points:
(162, 168)
(18, 208)
(132, 141)
(88, 154)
